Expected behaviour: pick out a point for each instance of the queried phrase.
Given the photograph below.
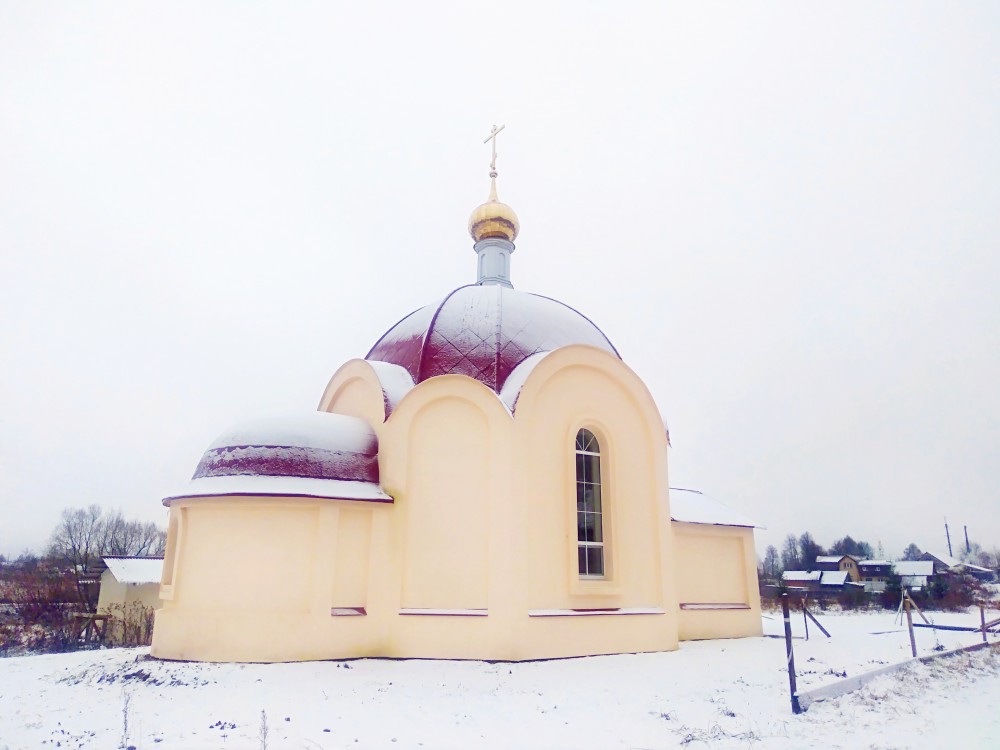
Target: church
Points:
(489, 482)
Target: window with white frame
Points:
(589, 526)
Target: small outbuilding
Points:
(131, 579)
(914, 574)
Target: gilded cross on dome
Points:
(494, 220)
(493, 137)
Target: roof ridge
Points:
(429, 328)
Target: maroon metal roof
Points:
(483, 331)
(288, 461)
(315, 445)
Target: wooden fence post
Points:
(818, 624)
(909, 625)
(796, 709)
(982, 619)
(906, 593)
(805, 620)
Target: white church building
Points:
(488, 482)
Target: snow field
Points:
(716, 694)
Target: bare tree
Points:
(790, 559)
(77, 543)
(976, 555)
(115, 539)
(149, 539)
(809, 550)
(772, 563)
(123, 537)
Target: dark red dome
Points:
(313, 445)
(483, 331)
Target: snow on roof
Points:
(875, 562)
(135, 569)
(980, 568)
(692, 506)
(276, 486)
(484, 331)
(833, 578)
(801, 575)
(953, 562)
(913, 567)
(308, 429)
(948, 560)
(316, 445)
(515, 381)
(396, 382)
(832, 558)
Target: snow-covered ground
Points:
(717, 694)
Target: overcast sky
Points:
(784, 216)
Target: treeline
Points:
(800, 553)
(84, 535)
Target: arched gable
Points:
(581, 387)
(431, 393)
(369, 390)
(550, 366)
(445, 451)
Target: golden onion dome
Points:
(493, 219)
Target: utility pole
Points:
(968, 549)
(948, 537)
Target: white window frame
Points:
(583, 543)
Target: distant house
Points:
(834, 580)
(817, 581)
(801, 579)
(948, 564)
(130, 580)
(914, 575)
(846, 563)
(875, 573)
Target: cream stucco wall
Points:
(476, 556)
(114, 592)
(573, 388)
(716, 569)
(255, 579)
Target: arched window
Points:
(589, 526)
